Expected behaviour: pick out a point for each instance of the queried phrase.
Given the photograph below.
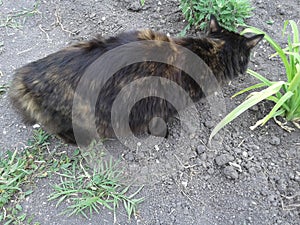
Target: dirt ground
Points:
(253, 177)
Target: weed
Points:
(230, 13)
(89, 189)
(16, 171)
(285, 94)
(3, 88)
(16, 19)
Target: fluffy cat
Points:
(43, 91)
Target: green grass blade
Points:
(295, 33)
(295, 83)
(256, 86)
(253, 100)
(260, 77)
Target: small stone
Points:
(209, 124)
(200, 149)
(185, 211)
(272, 198)
(245, 154)
(223, 159)
(155, 16)
(230, 172)
(237, 150)
(92, 15)
(141, 155)
(129, 156)
(281, 11)
(275, 141)
(184, 183)
(203, 156)
(210, 171)
(135, 6)
(252, 170)
(254, 108)
(291, 175)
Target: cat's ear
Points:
(253, 41)
(213, 25)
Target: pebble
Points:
(200, 149)
(275, 141)
(252, 170)
(135, 6)
(230, 172)
(184, 183)
(129, 156)
(203, 156)
(254, 108)
(210, 171)
(237, 150)
(185, 211)
(155, 16)
(209, 124)
(272, 198)
(92, 15)
(223, 159)
(245, 154)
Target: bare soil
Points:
(253, 177)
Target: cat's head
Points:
(236, 48)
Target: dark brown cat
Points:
(43, 91)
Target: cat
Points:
(43, 91)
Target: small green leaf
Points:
(256, 86)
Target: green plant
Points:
(16, 171)
(88, 189)
(230, 13)
(14, 19)
(285, 94)
(3, 88)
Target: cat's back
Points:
(45, 87)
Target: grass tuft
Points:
(16, 172)
(85, 188)
(15, 19)
(89, 189)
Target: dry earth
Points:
(185, 182)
